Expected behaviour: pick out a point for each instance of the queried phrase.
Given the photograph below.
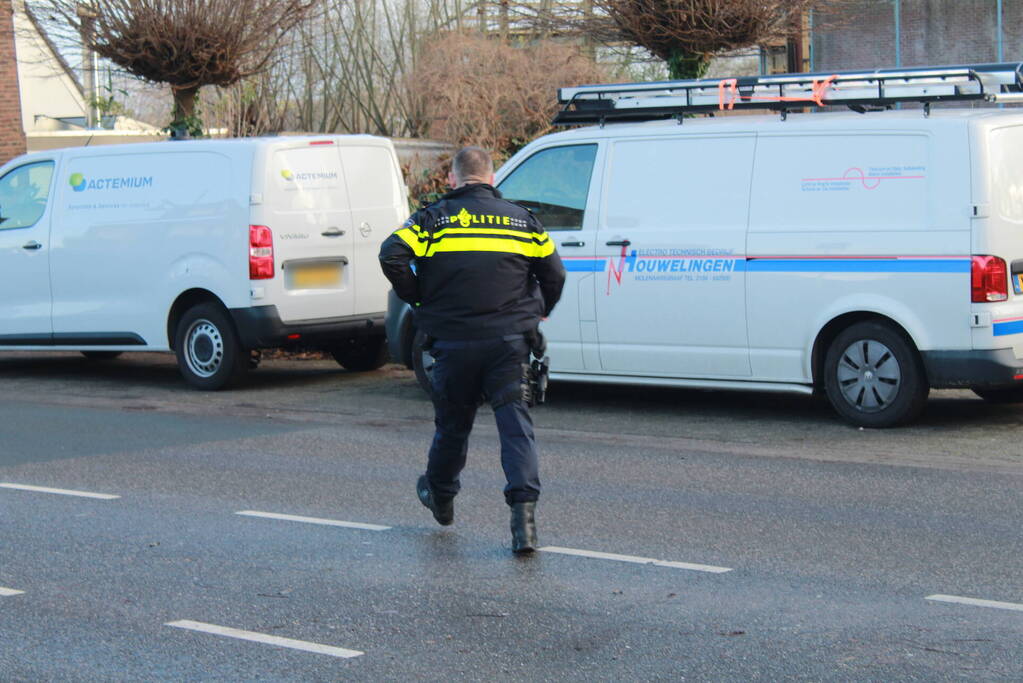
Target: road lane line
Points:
(62, 492)
(976, 602)
(635, 560)
(6, 592)
(313, 520)
(264, 638)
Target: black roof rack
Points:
(858, 90)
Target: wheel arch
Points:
(185, 301)
(835, 326)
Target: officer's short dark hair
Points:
(472, 162)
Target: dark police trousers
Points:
(465, 372)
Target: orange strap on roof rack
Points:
(728, 93)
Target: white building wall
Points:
(46, 89)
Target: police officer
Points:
(480, 272)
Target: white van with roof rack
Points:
(870, 256)
(211, 248)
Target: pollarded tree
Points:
(184, 43)
(687, 33)
(684, 33)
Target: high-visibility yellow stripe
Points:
(538, 236)
(529, 249)
(411, 238)
(423, 234)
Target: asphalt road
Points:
(835, 540)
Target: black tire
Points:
(361, 354)
(209, 354)
(1000, 395)
(422, 363)
(873, 376)
(101, 355)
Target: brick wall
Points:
(12, 137)
(933, 32)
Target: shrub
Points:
(484, 91)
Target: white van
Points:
(870, 256)
(211, 248)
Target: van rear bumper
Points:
(261, 327)
(987, 368)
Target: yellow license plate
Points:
(315, 275)
(1019, 283)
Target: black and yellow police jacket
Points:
(474, 266)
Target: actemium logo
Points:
(308, 176)
(80, 183)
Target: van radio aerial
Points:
(858, 90)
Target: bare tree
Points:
(357, 63)
(184, 43)
(344, 69)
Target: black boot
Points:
(523, 527)
(442, 507)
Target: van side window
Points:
(553, 184)
(23, 194)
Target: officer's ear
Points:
(492, 178)
(452, 180)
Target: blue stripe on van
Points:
(1011, 327)
(592, 265)
(813, 265)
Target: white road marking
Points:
(6, 592)
(636, 560)
(62, 492)
(976, 602)
(313, 520)
(264, 638)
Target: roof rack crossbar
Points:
(879, 88)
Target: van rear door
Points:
(998, 231)
(305, 205)
(379, 205)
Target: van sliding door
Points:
(673, 231)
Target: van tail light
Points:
(261, 253)
(988, 280)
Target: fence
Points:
(894, 33)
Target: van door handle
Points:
(618, 243)
(573, 244)
(33, 245)
(333, 232)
